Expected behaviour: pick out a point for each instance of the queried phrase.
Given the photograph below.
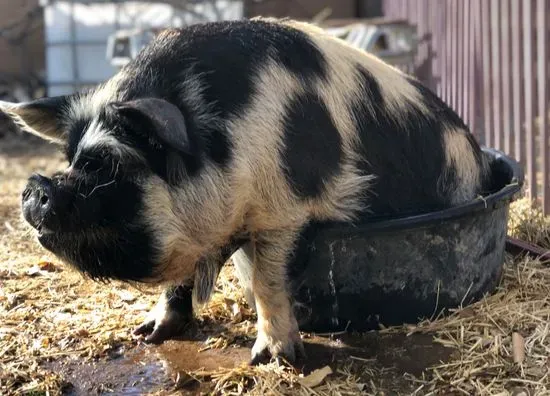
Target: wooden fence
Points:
(489, 60)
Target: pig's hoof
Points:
(162, 324)
(265, 350)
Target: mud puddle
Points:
(154, 368)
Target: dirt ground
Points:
(63, 334)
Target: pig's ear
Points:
(163, 125)
(166, 122)
(41, 117)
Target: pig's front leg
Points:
(278, 334)
(174, 310)
(170, 316)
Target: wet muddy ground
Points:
(154, 368)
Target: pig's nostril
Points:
(44, 200)
(26, 194)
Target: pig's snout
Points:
(38, 203)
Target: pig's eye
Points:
(91, 163)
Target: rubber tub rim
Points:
(486, 204)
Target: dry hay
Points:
(501, 342)
(48, 313)
(527, 222)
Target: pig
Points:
(227, 137)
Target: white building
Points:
(77, 33)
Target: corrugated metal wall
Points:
(488, 59)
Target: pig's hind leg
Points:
(243, 263)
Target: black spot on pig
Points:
(218, 147)
(297, 53)
(443, 115)
(249, 46)
(202, 48)
(437, 107)
(312, 145)
(404, 151)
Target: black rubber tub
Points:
(400, 270)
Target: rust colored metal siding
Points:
(488, 59)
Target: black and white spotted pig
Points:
(231, 134)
